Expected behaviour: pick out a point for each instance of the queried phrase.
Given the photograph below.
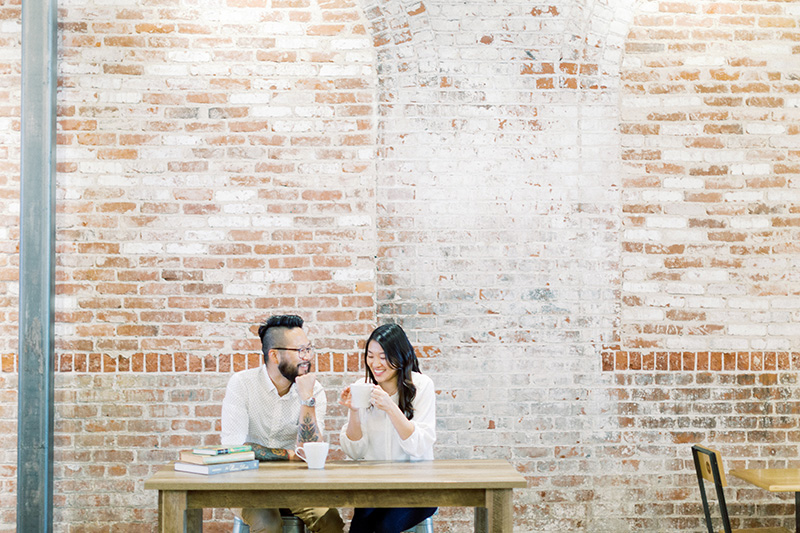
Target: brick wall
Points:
(708, 336)
(583, 213)
(10, 58)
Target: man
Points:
(275, 408)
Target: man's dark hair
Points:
(271, 332)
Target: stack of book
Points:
(217, 459)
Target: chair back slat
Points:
(706, 467)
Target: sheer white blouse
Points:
(379, 439)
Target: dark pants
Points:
(393, 520)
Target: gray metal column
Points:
(37, 268)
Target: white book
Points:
(220, 468)
(188, 457)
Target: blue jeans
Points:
(395, 520)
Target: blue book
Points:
(220, 468)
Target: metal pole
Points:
(37, 268)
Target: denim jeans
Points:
(394, 520)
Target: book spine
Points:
(226, 458)
(222, 451)
(232, 467)
(189, 457)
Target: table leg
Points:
(194, 521)
(481, 520)
(159, 526)
(172, 507)
(499, 504)
(797, 511)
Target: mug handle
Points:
(298, 452)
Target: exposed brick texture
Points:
(585, 214)
(710, 217)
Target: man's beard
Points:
(291, 372)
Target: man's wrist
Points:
(311, 402)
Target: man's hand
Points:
(305, 385)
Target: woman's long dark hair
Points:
(400, 355)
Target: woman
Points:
(399, 425)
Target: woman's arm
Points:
(419, 445)
(351, 438)
(353, 428)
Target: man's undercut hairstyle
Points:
(272, 332)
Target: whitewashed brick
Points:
(750, 170)
(359, 220)
(750, 222)
(684, 288)
(761, 128)
(229, 195)
(187, 249)
(353, 275)
(744, 196)
(187, 56)
(272, 221)
(683, 183)
(133, 248)
(749, 330)
(209, 236)
(666, 222)
(228, 222)
(250, 98)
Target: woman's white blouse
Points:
(380, 440)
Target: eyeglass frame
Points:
(306, 351)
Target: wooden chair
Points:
(708, 464)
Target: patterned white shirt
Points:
(252, 410)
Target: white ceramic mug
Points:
(360, 395)
(314, 454)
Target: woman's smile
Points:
(384, 374)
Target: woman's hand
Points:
(381, 399)
(353, 431)
(346, 398)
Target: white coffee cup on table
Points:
(314, 454)
(360, 394)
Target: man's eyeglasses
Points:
(305, 351)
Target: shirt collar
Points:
(270, 386)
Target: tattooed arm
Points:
(271, 454)
(308, 429)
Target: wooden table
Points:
(485, 485)
(775, 480)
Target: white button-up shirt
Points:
(380, 440)
(252, 411)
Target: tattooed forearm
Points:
(308, 431)
(269, 454)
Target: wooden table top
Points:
(771, 479)
(438, 474)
